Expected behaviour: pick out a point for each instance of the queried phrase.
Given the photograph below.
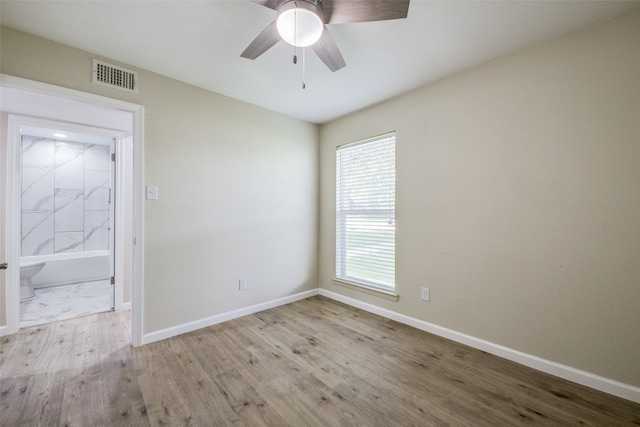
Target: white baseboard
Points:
(209, 321)
(588, 379)
(126, 306)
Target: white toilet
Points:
(27, 271)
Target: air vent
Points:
(113, 76)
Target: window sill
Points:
(392, 296)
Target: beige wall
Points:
(518, 200)
(238, 189)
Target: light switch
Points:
(152, 192)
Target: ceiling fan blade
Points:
(327, 49)
(346, 11)
(271, 4)
(265, 40)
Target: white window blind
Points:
(365, 212)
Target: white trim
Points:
(588, 379)
(16, 122)
(12, 227)
(392, 296)
(119, 224)
(219, 318)
(126, 306)
(137, 112)
(377, 138)
(66, 93)
(137, 268)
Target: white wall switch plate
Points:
(425, 294)
(152, 192)
(242, 284)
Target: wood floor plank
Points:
(81, 407)
(121, 391)
(315, 362)
(535, 396)
(212, 350)
(320, 350)
(165, 404)
(27, 353)
(197, 386)
(43, 403)
(247, 402)
(301, 380)
(6, 344)
(13, 398)
(302, 406)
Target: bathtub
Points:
(65, 269)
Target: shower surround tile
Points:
(37, 235)
(97, 240)
(96, 190)
(96, 157)
(63, 185)
(69, 210)
(96, 230)
(37, 188)
(69, 241)
(37, 151)
(69, 165)
(66, 302)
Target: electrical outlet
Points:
(426, 294)
(242, 284)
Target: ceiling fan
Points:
(301, 23)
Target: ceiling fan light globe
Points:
(299, 26)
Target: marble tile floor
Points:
(66, 302)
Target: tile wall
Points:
(65, 196)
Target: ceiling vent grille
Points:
(113, 76)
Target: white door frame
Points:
(137, 221)
(118, 214)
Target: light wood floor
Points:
(315, 362)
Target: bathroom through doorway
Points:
(25, 99)
(66, 220)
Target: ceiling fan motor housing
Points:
(300, 22)
(314, 6)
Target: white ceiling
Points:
(200, 42)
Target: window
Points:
(365, 212)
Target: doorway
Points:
(28, 100)
(67, 220)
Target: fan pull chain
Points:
(304, 83)
(295, 44)
(295, 32)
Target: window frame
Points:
(341, 245)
